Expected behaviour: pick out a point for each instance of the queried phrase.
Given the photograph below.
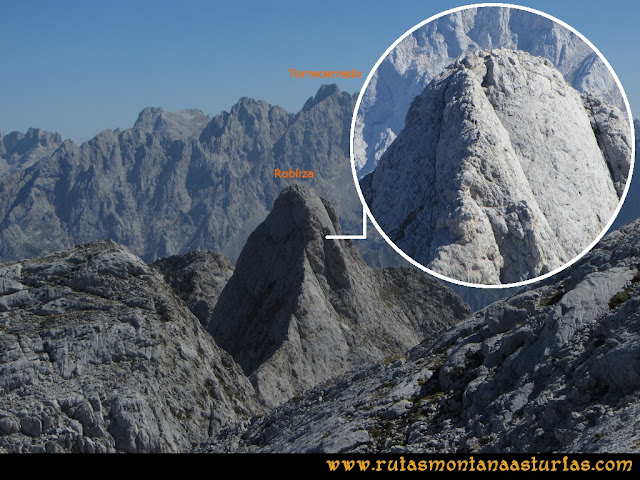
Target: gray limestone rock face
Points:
(173, 125)
(428, 50)
(611, 129)
(19, 151)
(553, 368)
(300, 308)
(498, 175)
(631, 207)
(98, 355)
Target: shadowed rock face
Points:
(495, 175)
(554, 368)
(612, 132)
(98, 355)
(197, 277)
(631, 208)
(300, 308)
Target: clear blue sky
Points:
(78, 67)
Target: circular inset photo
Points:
(492, 145)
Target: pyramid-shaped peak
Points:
(300, 307)
(299, 207)
(147, 118)
(324, 92)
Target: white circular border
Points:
(366, 207)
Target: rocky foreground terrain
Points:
(553, 368)
(100, 352)
(494, 177)
(98, 355)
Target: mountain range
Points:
(174, 182)
(161, 291)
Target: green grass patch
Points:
(624, 295)
(619, 298)
(554, 298)
(636, 277)
(433, 397)
(393, 358)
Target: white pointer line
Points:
(352, 237)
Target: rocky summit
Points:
(495, 175)
(19, 151)
(301, 308)
(553, 368)
(427, 51)
(97, 354)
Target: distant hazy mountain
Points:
(21, 150)
(428, 50)
(169, 185)
(174, 182)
